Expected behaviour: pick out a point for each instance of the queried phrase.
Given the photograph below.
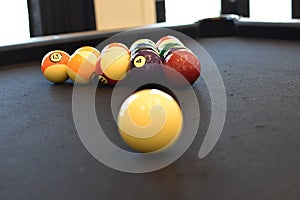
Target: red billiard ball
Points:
(173, 49)
(184, 63)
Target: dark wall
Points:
(296, 8)
(160, 11)
(60, 16)
(239, 7)
(64, 16)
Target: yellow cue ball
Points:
(150, 120)
(54, 66)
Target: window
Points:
(14, 22)
(270, 10)
(189, 11)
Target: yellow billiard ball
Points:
(150, 120)
(113, 64)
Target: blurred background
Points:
(23, 19)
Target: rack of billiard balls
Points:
(168, 56)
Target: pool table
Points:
(256, 157)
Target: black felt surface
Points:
(257, 156)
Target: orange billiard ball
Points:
(82, 65)
(54, 66)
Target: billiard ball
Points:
(115, 45)
(54, 66)
(115, 49)
(145, 40)
(168, 39)
(142, 47)
(163, 48)
(82, 66)
(142, 41)
(150, 120)
(146, 64)
(145, 56)
(112, 66)
(93, 50)
(184, 63)
(172, 49)
(143, 44)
